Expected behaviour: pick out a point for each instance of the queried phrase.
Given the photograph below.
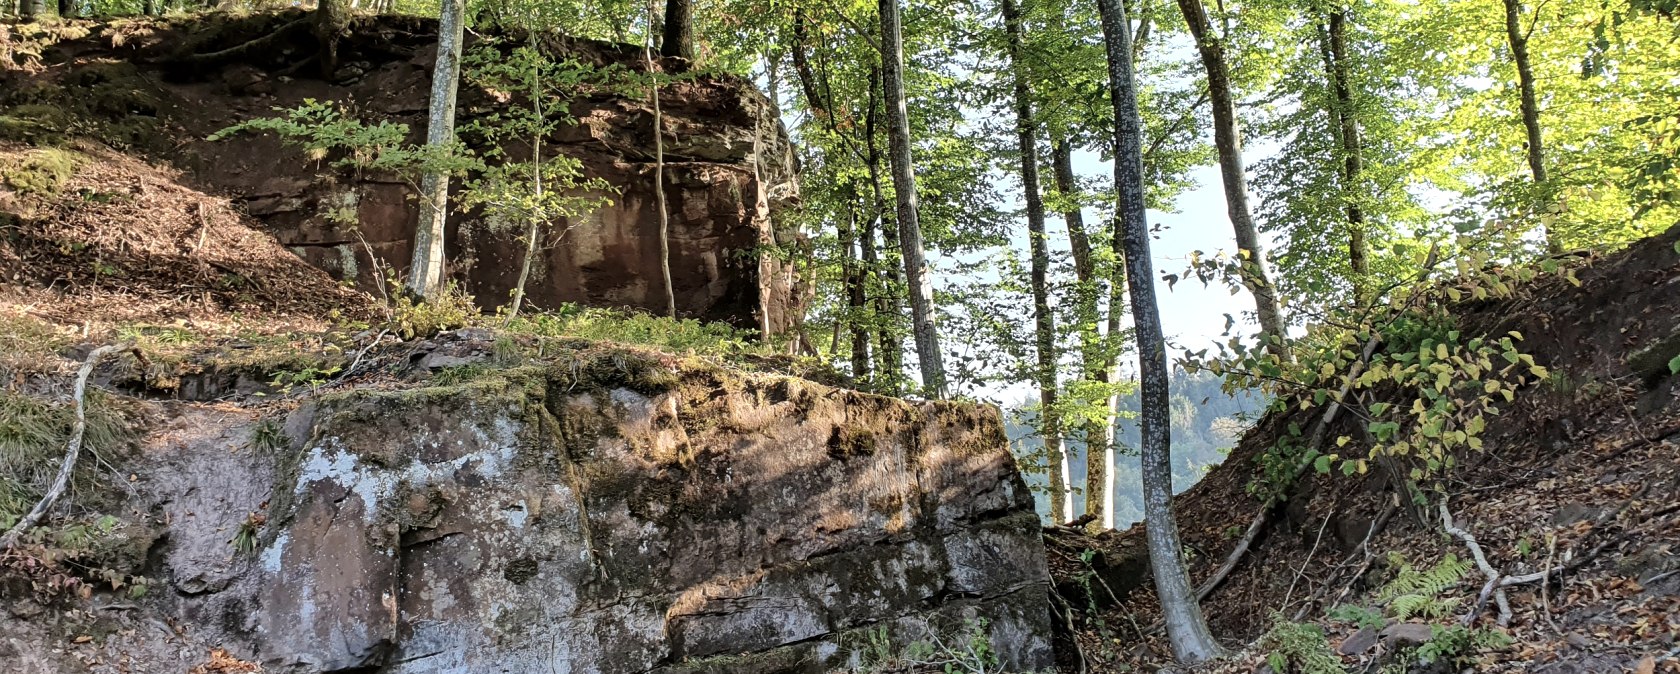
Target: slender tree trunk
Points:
(67, 9)
(1345, 126)
(1227, 138)
(659, 172)
(852, 283)
(909, 224)
(1530, 106)
(533, 229)
(1026, 133)
(852, 278)
(425, 276)
(1186, 628)
(890, 349)
(678, 31)
(1096, 434)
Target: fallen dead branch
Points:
(71, 454)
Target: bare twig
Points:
(1065, 612)
(1298, 573)
(1494, 576)
(1365, 549)
(1545, 588)
(68, 467)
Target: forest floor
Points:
(1579, 478)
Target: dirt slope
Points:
(1591, 457)
(92, 235)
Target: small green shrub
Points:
(675, 335)
(969, 653)
(416, 319)
(268, 437)
(1297, 647)
(1458, 645)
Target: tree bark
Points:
(1044, 321)
(678, 32)
(1096, 434)
(425, 276)
(1345, 127)
(852, 278)
(67, 9)
(1227, 139)
(910, 242)
(890, 349)
(1186, 629)
(659, 170)
(1530, 105)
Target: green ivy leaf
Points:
(1674, 365)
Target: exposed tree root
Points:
(71, 454)
(243, 51)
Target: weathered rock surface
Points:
(608, 513)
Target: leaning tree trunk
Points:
(678, 37)
(1186, 629)
(909, 224)
(1530, 106)
(425, 277)
(1097, 434)
(1346, 123)
(1227, 138)
(1026, 134)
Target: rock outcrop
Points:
(608, 511)
(723, 141)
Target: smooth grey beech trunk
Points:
(425, 274)
(1044, 320)
(1518, 40)
(1098, 434)
(1227, 139)
(1186, 629)
(910, 243)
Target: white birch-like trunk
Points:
(425, 274)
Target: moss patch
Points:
(42, 172)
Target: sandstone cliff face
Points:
(608, 512)
(717, 129)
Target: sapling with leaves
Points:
(534, 192)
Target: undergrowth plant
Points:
(533, 192)
(965, 651)
(1423, 395)
(76, 551)
(1420, 593)
(1300, 648)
